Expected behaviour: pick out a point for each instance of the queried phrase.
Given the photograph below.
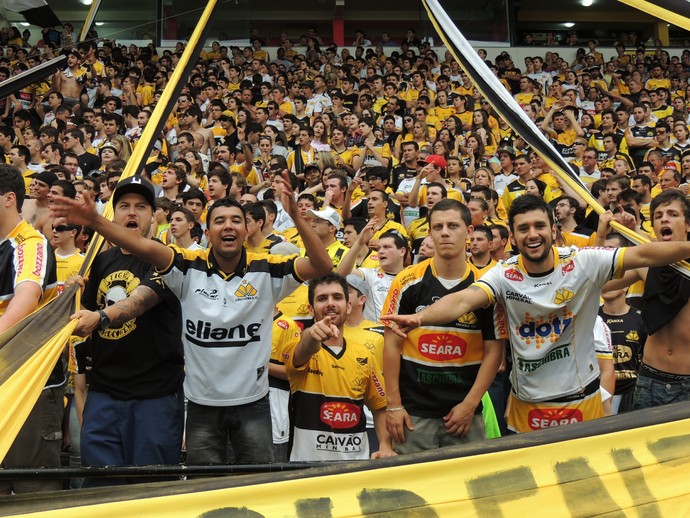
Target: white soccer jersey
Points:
(551, 319)
(379, 283)
(227, 321)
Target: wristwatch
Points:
(105, 319)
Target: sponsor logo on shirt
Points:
(621, 353)
(340, 415)
(558, 353)
(541, 418)
(441, 346)
(377, 385)
(513, 275)
(550, 327)
(568, 267)
(213, 294)
(40, 253)
(283, 324)
(202, 333)
(338, 442)
(519, 297)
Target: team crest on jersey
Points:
(632, 336)
(468, 319)
(513, 275)
(563, 296)
(245, 291)
(359, 384)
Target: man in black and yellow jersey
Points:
(437, 376)
(326, 223)
(28, 282)
(331, 380)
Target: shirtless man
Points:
(70, 81)
(36, 209)
(203, 137)
(665, 369)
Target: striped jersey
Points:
(439, 364)
(226, 322)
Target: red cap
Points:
(437, 160)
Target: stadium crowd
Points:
(292, 200)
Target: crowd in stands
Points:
(361, 155)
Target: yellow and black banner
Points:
(29, 350)
(635, 464)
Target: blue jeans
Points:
(247, 428)
(134, 432)
(652, 392)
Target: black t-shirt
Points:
(350, 101)
(142, 359)
(628, 335)
(88, 162)
(400, 173)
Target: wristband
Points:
(395, 409)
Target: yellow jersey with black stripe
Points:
(67, 266)
(26, 256)
(439, 363)
(266, 244)
(328, 396)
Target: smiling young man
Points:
(555, 379)
(331, 380)
(228, 298)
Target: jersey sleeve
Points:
(376, 391)
(284, 278)
(31, 262)
(602, 264)
(602, 340)
(490, 283)
(174, 273)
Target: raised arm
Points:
(350, 259)
(83, 212)
(655, 254)
(317, 262)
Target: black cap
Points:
(46, 177)
(137, 185)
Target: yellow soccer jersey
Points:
(369, 334)
(26, 256)
(67, 266)
(329, 393)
